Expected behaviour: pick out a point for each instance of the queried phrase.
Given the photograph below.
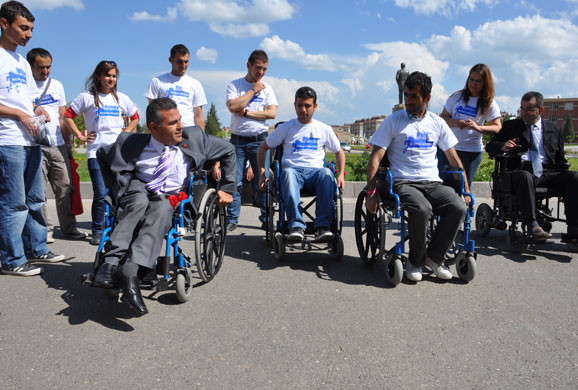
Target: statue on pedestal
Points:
(400, 77)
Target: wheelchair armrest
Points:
(462, 188)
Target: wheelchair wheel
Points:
(369, 237)
(339, 212)
(337, 248)
(184, 285)
(393, 270)
(466, 267)
(279, 247)
(484, 219)
(210, 234)
(515, 241)
(270, 210)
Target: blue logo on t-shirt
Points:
(256, 99)
(177, 91)
(467, 111)
(108, 110)
(305, 143)
(419, 141)
(46, 100)
(15, 78)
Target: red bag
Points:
(75, 198)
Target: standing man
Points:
(544, 164)
(186, 91)
(400, 78)
(251, 103)
(411, 138)
(22, 225)
(304, 140)
(56, 170)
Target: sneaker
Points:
(47, 258)
(49, 238)
(440, 270)
(75, 235)
(25, 269)
(412, 272)
(296, 235)
(95, 239)
(323, 233)
(231, 227)
(539, 234)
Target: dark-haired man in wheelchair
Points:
(141, 171)
(411, 138)
(543, 165)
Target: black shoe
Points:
(75, 235)
(296, 235)
(131, 294)
(47, 258)
(323, 234)
(103, 277)
(95, 239)
(231, 227)
(25, 269)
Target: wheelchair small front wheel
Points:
(393, 270)
(466, 267)
(515, 241)
(337, 248)
(279, 247)
(184, 285)
(484, 219)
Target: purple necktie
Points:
(161, 171)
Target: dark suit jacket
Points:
(516, 129)
(118, 160)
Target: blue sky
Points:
(348, 51)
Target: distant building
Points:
(364, 128)
(558, 109)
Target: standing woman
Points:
(103, 109)
(465, 112)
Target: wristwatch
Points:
(245, 113)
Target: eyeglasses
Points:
(109, 62)
(305, 93)
(477, 81)
(529, 109)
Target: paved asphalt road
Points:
(306, 323)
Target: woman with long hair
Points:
(103, 108)
(471, 113)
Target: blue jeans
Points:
(246, 151)
(99, 192)
(470, 160)
(316, 180)
(22, 224)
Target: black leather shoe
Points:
(131, 294)
(103, 277)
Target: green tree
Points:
(568, 130)
(212, 125)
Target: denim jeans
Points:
(246, 151)
(470, 160)
(99, 192)
(316, 180)
(22, 224)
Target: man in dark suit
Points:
(544, 164)
(141, 171)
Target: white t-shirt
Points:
(412, 144)
(246, 126)
(51, 102)
(186, 91)
(469, 140)
(16, 85)
(106, 120)
(304, 144)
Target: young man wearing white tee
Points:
(304, 140)
(22, 224)
(56, 170)
(186, 91)
(251, 102)
(411, 138)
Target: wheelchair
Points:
(198, 218)
(277, 228)
(370, 232)
(507, 208)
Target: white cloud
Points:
(209, 55)
(443, 7)
(144, 16)
(53, 4)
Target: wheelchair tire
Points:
(484, 219)
(184, 285)
(339, 212)
(466, 267)
(270, 210)
(210, 234)
(337, 248)
(279, 247)
(393, 270)
(369, 237)
(515, 241)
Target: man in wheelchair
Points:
(411, 138)
(543, 164)
(304, 140)
(141, 171)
